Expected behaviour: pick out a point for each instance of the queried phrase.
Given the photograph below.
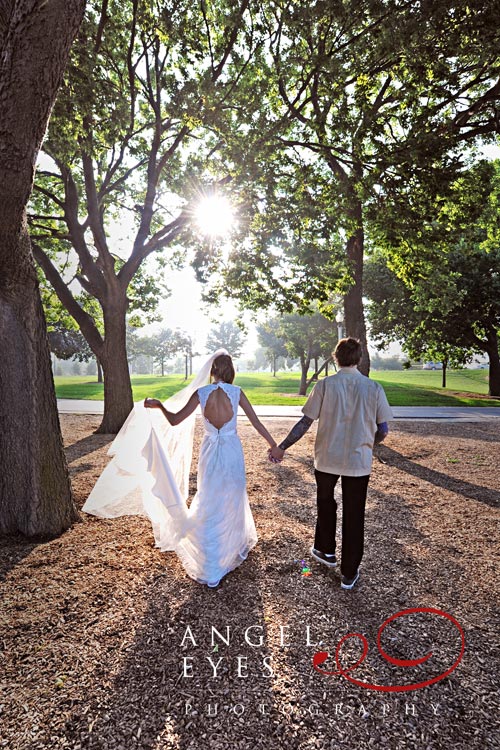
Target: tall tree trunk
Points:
(354, 317)
(118, 401)
(35, 493)
(304, 366)
(274, 365)
(99, 371)
(494, 373)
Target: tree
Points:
(441, 291)
(307, 337)
(186, 346)
(64, 337)
(226, 335)
(273, 344)
(35, 492)
(361, 96)
(386, 363)
(394, 314)
(166, 344)
(131, 136)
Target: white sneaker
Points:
(349, 583)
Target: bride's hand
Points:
(273, 459)
(152, 403)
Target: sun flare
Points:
(215, 216)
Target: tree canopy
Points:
(226, 335)
(272, 343)
(132, 131)
(306, 337)
(361, 98)
(436, 284)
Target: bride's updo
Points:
(223, 369)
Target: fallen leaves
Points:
(91, 623)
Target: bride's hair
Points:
(223, 369)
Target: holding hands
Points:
(275, 454)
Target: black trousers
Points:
(354, 491)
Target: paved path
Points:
(436, 413)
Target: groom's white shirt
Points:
(349, 406)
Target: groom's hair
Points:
(348, 352)
(223, 369)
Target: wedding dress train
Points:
(149, 475)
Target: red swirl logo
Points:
(321, 656)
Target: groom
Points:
(353, 412)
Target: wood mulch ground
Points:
(94, 624)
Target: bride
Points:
(149, 474)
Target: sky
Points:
(184, 309)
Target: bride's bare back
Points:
(218, 409)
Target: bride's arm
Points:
(178, 417)
(254, 420)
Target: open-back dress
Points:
(148, 476)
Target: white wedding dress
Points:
(149, 475)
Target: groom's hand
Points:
(276, 453)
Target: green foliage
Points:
(307, 336)
(273, 345)
(134, 138)
(167, 343)
(322, 121)
(436, 285)
(67, 343)
(365, 102)
(55, 313)
(387, 363)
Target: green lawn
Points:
(403, 388)
(423, 387)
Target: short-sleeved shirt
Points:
(349, 406)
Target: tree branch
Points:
(162, 238)
(490, 97)
(77, 232)
(100, 29)
(52, 196)
(231, 40)
(84, 320)
(209, 36)
(94, 211)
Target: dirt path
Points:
(93, 623)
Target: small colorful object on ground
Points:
(306, 570)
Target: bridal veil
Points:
(149, 471)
